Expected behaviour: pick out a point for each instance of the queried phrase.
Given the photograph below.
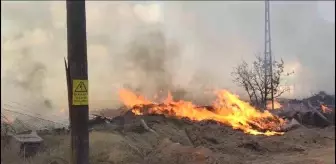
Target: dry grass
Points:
(206, 145)
(112, 148)
(104, 148)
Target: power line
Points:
(10, 106)
(22, 105)
(33, 116)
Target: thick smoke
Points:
(178, 46)
(146, 60)
(25, 78)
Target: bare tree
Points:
(252, 78)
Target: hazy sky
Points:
(212, 38)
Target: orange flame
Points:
(8, 119)
(130, 99)
(228, 109)
(325, 109)
(277, 105)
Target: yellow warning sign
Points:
(80, 92)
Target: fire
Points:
(130, 99)
(8, 119)
(325, 109)
(277, 105)
(228, 109)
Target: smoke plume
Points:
(154, 47)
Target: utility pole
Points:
(77, 81)
(268, 58)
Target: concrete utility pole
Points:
(77, 80)
(268, 61)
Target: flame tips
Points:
(325, 109)
(228, 109)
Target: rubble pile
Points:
(315, 111)
(162, 138)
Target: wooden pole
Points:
(78, 81)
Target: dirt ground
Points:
(184, 142)
(325, 155)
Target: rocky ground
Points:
(174, 141)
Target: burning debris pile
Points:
(227, 109)
(228, 131)
(315, 111)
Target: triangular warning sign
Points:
(81, 87)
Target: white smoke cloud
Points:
(201, 39)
